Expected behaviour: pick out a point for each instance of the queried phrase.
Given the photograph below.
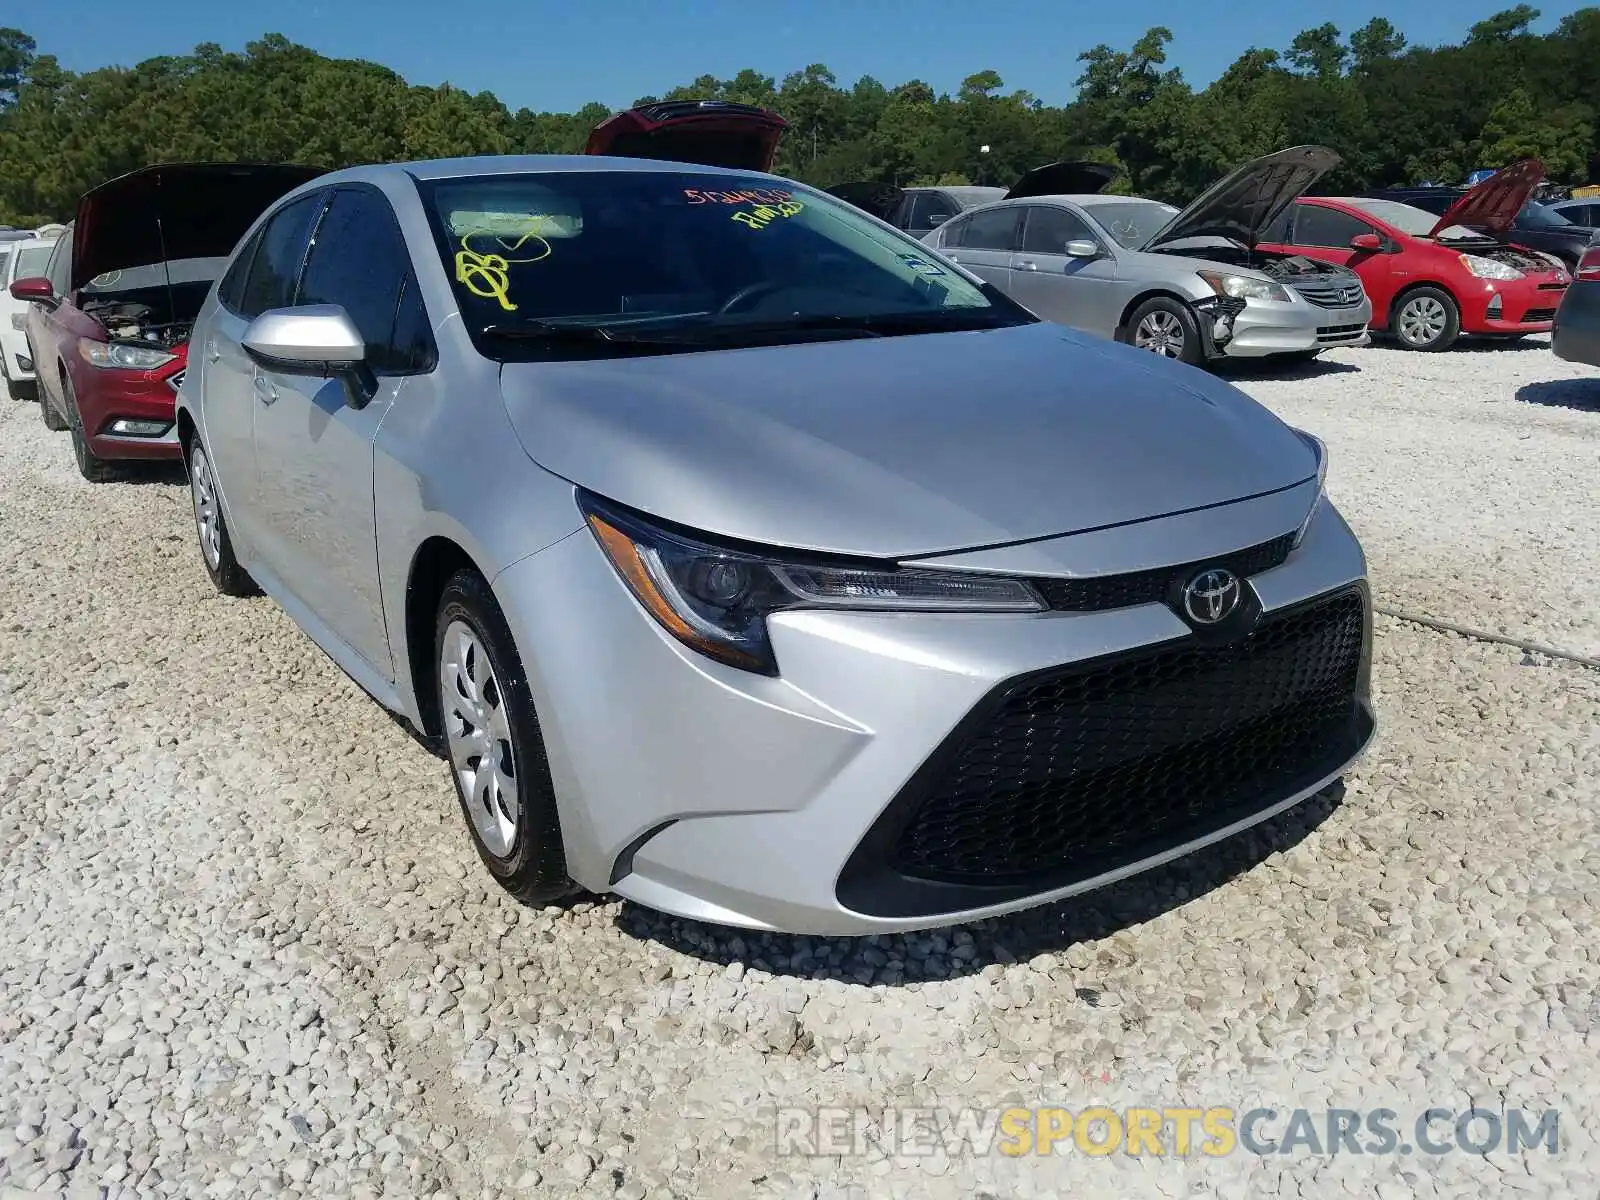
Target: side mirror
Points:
(35, 288)
(1366, 241)
(1082, 248)
(313, 339)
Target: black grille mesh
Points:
(1149, 587)
(1091, 762)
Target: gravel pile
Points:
(246, 949)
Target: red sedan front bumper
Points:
(1525, 305)
(131, 414)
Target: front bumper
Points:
(18, 363)
(111, 401)
(752, 801)
(1511, 307)
(1273, 327)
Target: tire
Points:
(211, 529)
(95, 470)
(1426, 319)
(1166, 327)
(481, 687)
(52, 419)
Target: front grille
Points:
(1097, 593)
(1330, 295)
(1092, 764)
(1539, 314)
(1340, 333)
(176, 381)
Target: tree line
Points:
(1395, 113)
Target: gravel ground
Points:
(245, 948)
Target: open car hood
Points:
(712, 133)
(1063, 179)
(1243, 203)
(1494, 204)
(173, 211)
(879, 199)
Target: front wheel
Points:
(216, 547)
(92, 468)
(1426, 319)
(1166, 327)
(47, 413)
(496, 750)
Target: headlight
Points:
(1320, 449)
(716, 600)
(124, 356)
(1243, 287)
(1488, 268)
(19, 320)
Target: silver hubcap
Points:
(207, 520)
(480, 738)
(1422, 320)
(1160, 333)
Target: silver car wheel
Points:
(207, 518)
(1161, 333)
(1422, 321)
(479, 734)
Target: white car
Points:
(22, 259)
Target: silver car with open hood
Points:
(1190, 285)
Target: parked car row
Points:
(741, 554)
(27, 254)
(1255, 267)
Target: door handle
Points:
(953, 257)
(265, 392)
(1028, 266)
(212, 353)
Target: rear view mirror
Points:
(313, 339)
(1366, 241)
(1082, 248)
(35, 288)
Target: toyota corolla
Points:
(747, 559)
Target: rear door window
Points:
(1319, 226)
(991, 229)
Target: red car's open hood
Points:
(1494, 204)
(173, 211)
(712, 133)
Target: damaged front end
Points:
(1216, 315)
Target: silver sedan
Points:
(1190, 285)
(744, 559)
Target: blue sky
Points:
(556, 57)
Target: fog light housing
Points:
(128, 427)
(24, 362)
(19, 320)
(1496, 305)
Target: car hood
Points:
(1494, 204)
(1063, 179)
(173, 211)
(1242, 204)
(712, 133)
(897, 447)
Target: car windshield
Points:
(1537, 216)
(32, 261)
(588, 262)
(1406, 218)
(1132, 223)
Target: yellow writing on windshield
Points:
(763, 215)
(487, 273)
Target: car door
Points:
(1326, 234)
(314, 452)
(984, 241)
(45, 330)
(1057, 286)
(263, 275)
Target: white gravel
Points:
(246, 949)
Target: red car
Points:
(109, 324)
(716, 133)
(1433, 278)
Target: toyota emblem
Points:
(1211, 596)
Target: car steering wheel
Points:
(750, 291)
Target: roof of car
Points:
(519, 164)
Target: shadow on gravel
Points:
(1581, 394)
(1261, 368)
(1472, 345)
(168, 473)
(956, 951)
